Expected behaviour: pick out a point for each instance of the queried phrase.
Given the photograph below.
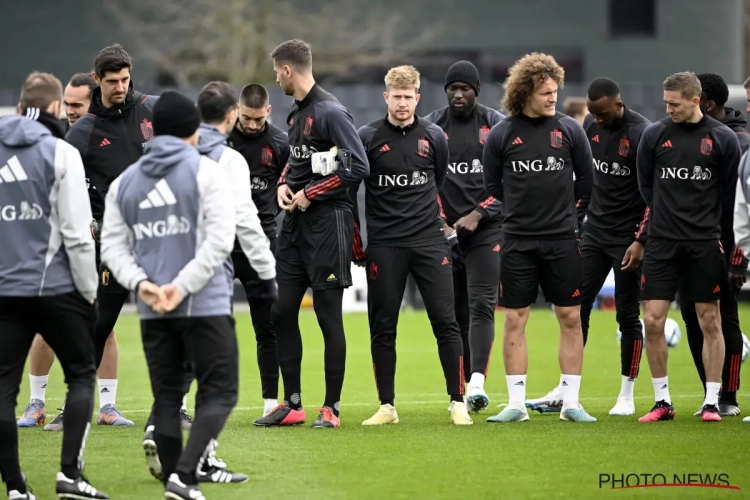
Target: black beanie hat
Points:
(464, 72)
(175, 115)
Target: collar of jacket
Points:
(97, 108)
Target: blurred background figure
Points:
(575, 107)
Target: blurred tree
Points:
(192, 42)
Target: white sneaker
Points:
(386, 414)
(460, 414)
(550, 403)
(513, 412)
(623, 407)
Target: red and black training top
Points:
(617, 211)
(317, 123)
(541, 171)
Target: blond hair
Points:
(686, 83)
(528, 72)
(402, 77)
(40, 90)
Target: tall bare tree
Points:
(200, 40)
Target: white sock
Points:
(38, 386)
(269, 404)
(107, 392)
(626, 390)
(570, 386)
(477, 380)
(184, 403)
(712, 393)
(559, 384)
(517, 389)
(661, 389)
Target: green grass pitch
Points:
(423, 456)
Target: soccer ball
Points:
(672, 333)
(745, 347)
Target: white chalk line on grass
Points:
(406, 402)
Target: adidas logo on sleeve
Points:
(160, 196)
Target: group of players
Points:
(477, 206)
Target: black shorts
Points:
(315, 248)
(697, 268)
(525, 265)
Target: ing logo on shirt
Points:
(614, 169)
(683, 173)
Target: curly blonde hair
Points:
(402, 77)
(529, 71)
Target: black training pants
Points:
(210, 345)
(598, 257)
(475, 289)
(265, 332)
(66, 323)
(110, 297)
(387, 270)
(730, 327)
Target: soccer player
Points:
(47, 276)
(315, 242)
(473, 217)
(175, 202)
(530, 160)
(687, 172)
(76, 99)
(714, 95)
(265, 148)
(110, 137)
(77, 96)
(408, 160)
(614, 233)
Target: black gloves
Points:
(457, 256)
(262, 292)
(96, 229)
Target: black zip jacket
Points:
(617, 210)
(266, 153)
(110, 140)
(317, 123)
(529, 165)
(687, 174)
(407, 167)
(736, 121)
(463, 191)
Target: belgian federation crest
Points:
(484, 131)
(624, 146)
(707, 146)
(308, 125)
(556, 138)
(266, 156)
(423, 147)
(147, 129)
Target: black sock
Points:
(285, 315)
(387, 402)
(457, 397)
(334, 407)
(327, 304)
(293, 400)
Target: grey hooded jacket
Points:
(169, 218)
(45, 215)
(253, 240)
